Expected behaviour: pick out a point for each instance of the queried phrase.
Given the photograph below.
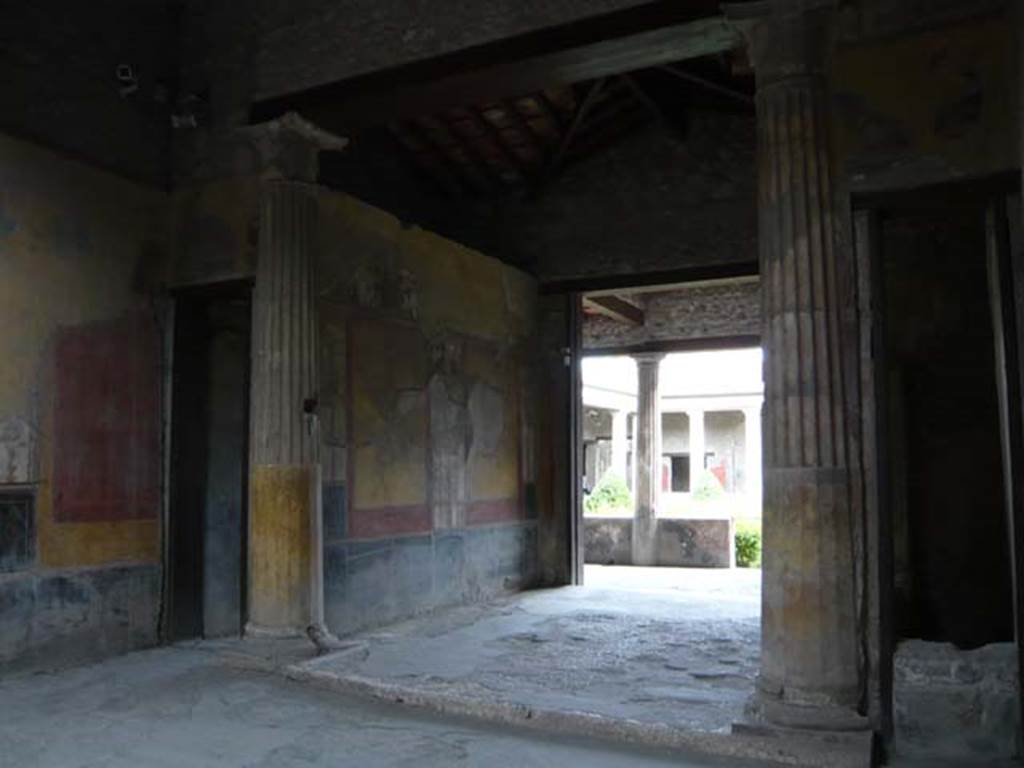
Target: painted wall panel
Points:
(81, 252)
(928, 107)
(422, 424)
(107, 460)
(389, 416)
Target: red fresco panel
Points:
(382, 522)
(107, 421)
(494, 511)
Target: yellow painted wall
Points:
(389, 414)
(460, 290)
(214, 234)
(496, 475)
(77, 246)
(402, 295)
(935, 105)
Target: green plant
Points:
(708, 487)
(609, 495)
(748, 547)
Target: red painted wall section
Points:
(107, 421)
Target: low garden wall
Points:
(680, 542)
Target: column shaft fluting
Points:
(697, 449)
(620, 443)
(810, 670)
(647, 453)
(284, 392)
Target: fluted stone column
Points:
(752, 457)
(810, 662)
(285, 474)
(620, 443)
(697, 449)
(647, 455)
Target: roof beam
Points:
(522, 125)
(724, 90)
(615, 308)
(577, 120)
(488, 132)
(563, 56)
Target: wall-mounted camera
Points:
(129, 81)
(186, 113)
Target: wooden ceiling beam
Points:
(490, 132)
(549, 110)
(509, 69)
(522, 125)
(615, 308)
(642, 96)
(473, 178)
(577, 121)
(439, 171)
(703, 82)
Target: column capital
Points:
(287, 147)
(786, 39)
(648, 358)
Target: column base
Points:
(836, 749)
(262, 632)
(812, 712)
(644, 544)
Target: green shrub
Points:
(708, 487)
(610, 494)
(748, 547)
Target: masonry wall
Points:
(427, 429)
(275, 49)
(80, 393)
(698, 311)
(655, 201)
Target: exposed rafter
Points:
(577, 120)
(588, 51)
(732, 93)
(615, 308)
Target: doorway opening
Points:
(668, 437)
(207, 524)
(702, 490)
(942, 483)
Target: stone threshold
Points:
(772, 747)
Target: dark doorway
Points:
(681, 473)
(951, 557)
(209, 466)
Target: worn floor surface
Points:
(197, 706)
(678, 647)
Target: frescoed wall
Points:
(80, 391)
(425, 365)
(933, 106)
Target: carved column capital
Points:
(287, 147)
(786, 39)
(648, 358)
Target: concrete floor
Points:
(197, 706)
(672, 647)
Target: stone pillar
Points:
(647, 458)
(752, 458)
(811, 671)
(696, 419)
(284, 455)
(620, 443)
